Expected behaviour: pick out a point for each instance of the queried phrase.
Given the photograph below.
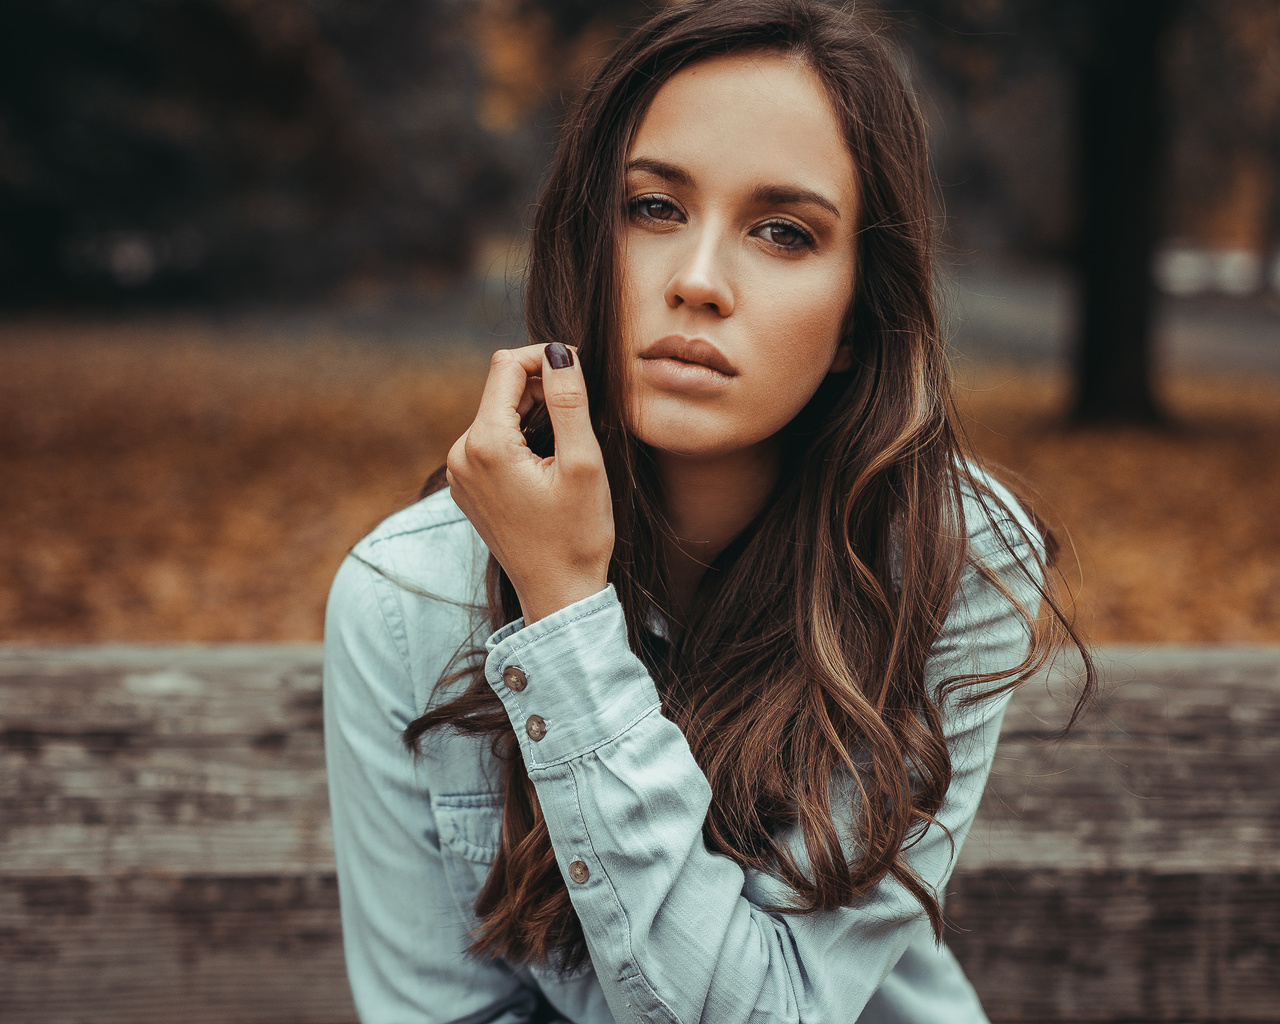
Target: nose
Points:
(702, 279)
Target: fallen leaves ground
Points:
(167, 483)
(1176, 531)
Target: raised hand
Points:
(548, 522)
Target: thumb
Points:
(565, 393)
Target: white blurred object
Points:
(131, 259)
(1238, 271)
(1180, 270)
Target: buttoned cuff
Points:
(582, 685)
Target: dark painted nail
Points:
(559, 356)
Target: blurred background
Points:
(254, 255)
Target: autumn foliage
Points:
(169, 482)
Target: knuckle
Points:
(482, 451)
(567, 400)
(501, 357)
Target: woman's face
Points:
(738, 255)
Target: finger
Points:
(531, 397)
(565, 393)
(509, 372)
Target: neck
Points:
(709, 502)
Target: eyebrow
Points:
(667, 172)
(783, 195)
(764, 195)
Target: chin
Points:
(687, 431)
(694, 443)
(685, 451)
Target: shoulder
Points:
(429, 546)
(1002, 535)
(413, 587)
(989, 626)
(432, 523)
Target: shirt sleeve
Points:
(403, 933)
(676, 932)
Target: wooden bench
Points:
(165, 852)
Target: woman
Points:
(752, 619)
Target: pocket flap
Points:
(470, 824)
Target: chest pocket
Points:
(470, 825)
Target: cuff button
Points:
(514, 679)
(579, 871)
(535, 727)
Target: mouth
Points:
(691, 352)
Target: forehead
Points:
(755, 118)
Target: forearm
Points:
(675, 931)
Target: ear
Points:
(843, 361)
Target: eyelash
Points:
(806, 240)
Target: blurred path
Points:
(1006, 314)
(473, 315)
(1026, 316)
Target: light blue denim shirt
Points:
(676, 932)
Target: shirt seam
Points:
(517, 647)
(396, 630)
(446, 515)
(537, 766)
(376, 538)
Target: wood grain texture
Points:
(1176, 770)
(165, 849)
(1131, 872)
(198, 949)
(118, 759)
(1042, 944)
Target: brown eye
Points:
(785, 236)
(654, 208)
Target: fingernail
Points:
(558, 356)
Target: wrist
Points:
(539, 602)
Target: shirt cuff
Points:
(582, 685)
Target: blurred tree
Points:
(1124, 146)
(1226, 85)
(215, 146)
(1111, 54)
(570, 19)
(534, 56)
(1142, 75)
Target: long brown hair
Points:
(807, 640)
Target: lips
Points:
(693, 351)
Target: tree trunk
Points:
(1122, 153)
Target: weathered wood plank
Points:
(165, 848)
(1042, 944)
(119, 698)
(1177, 770)
(118, 760)
(129, 777)
(1132, 871)
(66, 809)
(197, 949)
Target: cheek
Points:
(804, 323)
(804, 320)
(629, 317)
